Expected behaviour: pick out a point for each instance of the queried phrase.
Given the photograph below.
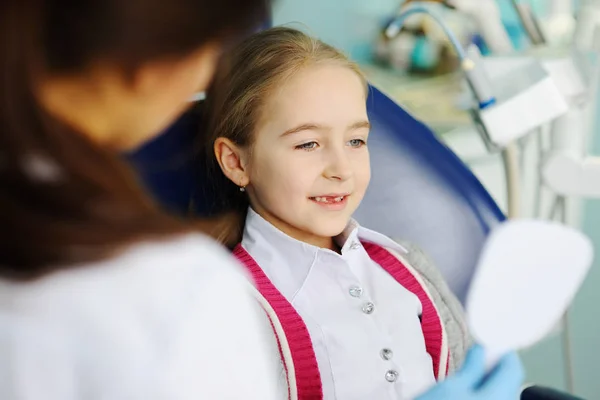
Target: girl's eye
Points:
(307, 146)
(357, 142)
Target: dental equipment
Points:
(530, 22)
(509, 106)
(486, 15)
(559, 24)
(567, 169)
(476, 77)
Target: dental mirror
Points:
(526, 278)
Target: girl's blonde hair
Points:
(235, 102)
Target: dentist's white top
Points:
(165, 321)
(364, 325)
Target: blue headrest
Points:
(422, 192)
(167, 165)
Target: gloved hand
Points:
(472, 383)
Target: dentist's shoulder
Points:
(169, 319)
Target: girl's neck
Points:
(298, 234)
(309, 238)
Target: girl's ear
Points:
(231, 160)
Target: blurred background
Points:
(418, 69)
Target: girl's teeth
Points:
(326, 200)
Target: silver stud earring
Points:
(242, 188)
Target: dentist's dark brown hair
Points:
(65, 201)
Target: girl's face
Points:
(308, 168)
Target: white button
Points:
(355, 245)
(368, 308)
(387, 354)
(356, 291)
(391, 376)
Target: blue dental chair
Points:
(420, 191)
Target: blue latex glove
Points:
(472, 383)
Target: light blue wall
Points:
(544, 362)
(347, 24)
(586, 312)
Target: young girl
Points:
(357, 315)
